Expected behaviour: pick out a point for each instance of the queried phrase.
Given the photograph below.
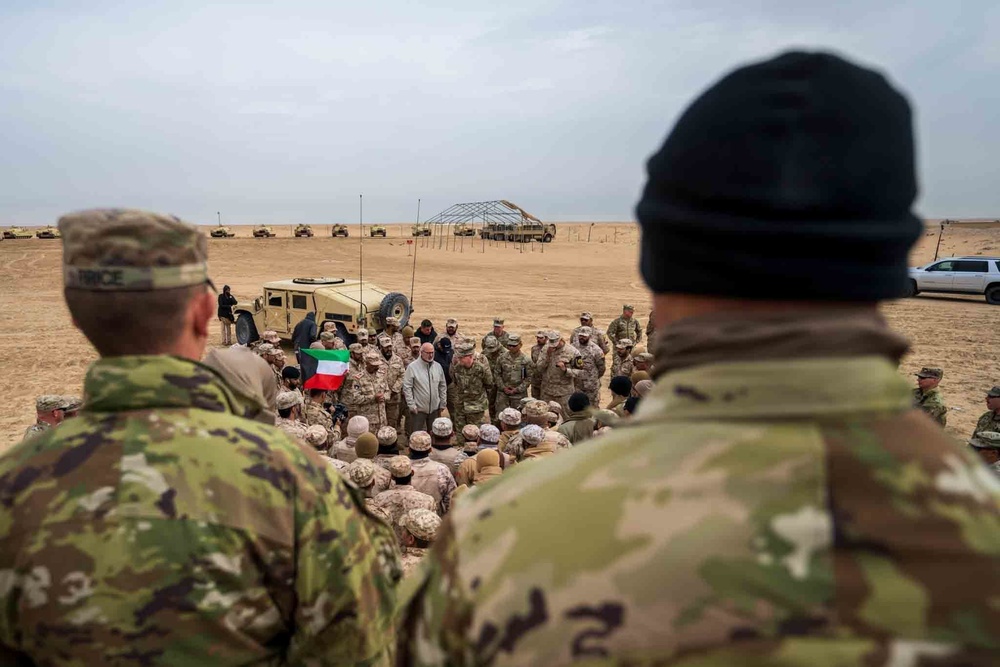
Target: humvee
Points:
(339, 230)
(48, 232)
(16, 233)
(221, 232)
(464, 229)
(377, 230)
(420, 230)
(284, 303)
(526, 232)
(303, 231)
(263, 232)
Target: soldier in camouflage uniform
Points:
(560, 366)
(366, 447)
(593, 369)
(367, 390)
(498, 332)
(597, 336)
(989, 420)
(315, 413)
(776, 500)
(289, 409)
(621, 363)
(400, 346)
(402, 496)
(986, 445)
(541, 340)
(472, 382)
(491, 355)
(928, 397)
(625, 326)
(50, 410)
(394, 369)
(159, 526)
(515, 371)
(418, 528)
(429, 476)
(536, 413)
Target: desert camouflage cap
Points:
(527, 399)
(384, 341)
(265, 349)
(644, 357)
(366, 446)
(586, 331)
(442, 427)
(386, 436)
(316, 436)
(423, 524)
(414, 341)
(541, 333)
(487, 458)
(131, 251)
(72, 403)
(392, 321)
(271, 336)
(362, 334)
(553, 336)
(533, 434)
(555, 407)
(513, 339)
(994, 392)
(361, 472)
(328, 336)
(470, 433)
(509, 416)
(420, 441)
(452, 322)
(357, 425)
(356, 348)
(48, 403)
(491, 343)
(586, 316)
(489, 434)
(329, 326)
(465, 350)
(288, 399)
(552, 417)
(536, 409)
(926, 372)
(400, 466)
(986, 440)
(628, 306)
(624, 343)
(498, 321)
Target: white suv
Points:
(973, 274)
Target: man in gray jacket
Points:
(425, 390)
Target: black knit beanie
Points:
(788, 179)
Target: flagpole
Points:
(361, 258)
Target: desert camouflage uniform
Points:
(620, 366)
(471, 386)
(988, 421)
(434, 479)
(515, 447)
(558, 384)
(514, 371)
(293, 428)
(315, 413)
(598, 338)
(932, 403)
(593, 369)
(445, 457)
(729, 524)
(401, 350)
(161, 528)
(625, 328)
(364, 387)
(397, 500)
(394, 369)
(492, 358)
(536, 378)
(411, 557)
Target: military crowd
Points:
(759, 489)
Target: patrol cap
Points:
(926, 372)
(994, 392)
(361, 472)
(624, 343)
(265, 349)
(533, 434)
(288, 399)
(986, 440)
(271, 336)
(489, 434)
(392, 321)
(384, 341)
(491, 343)
(628, 306)
(556, 407)
(423, 524)
(420, 441)
(508, 416)
(356, 348)
(553, 336)
(386, 436)
(400, 466)
(362, 333)
(465, 350)
(586, 331)
(643, 357)
(366, 446)
(125, 250)
(498, 321)
(452, 322)
(541, 333)
(513, 339)
(470, 433)
(586, 316)
(552, 417)
(606, 417)
(49, 402)
(442, 427)
(536, 409)
(316, 436)
(72, 403)
(414, 341)
(487, 458)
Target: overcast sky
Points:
(285, 112)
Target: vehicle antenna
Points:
(413, 274)
(220, 218)
(361, 256)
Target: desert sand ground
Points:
(537, 286)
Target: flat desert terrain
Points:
(537, 286)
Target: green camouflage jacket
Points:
(624, 328)
(160, 528)
(932, 403)
(471, 385)
(752, 513)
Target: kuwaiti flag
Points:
(323, 369)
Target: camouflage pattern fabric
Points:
(516, 448)
(471, 401)
(624, 328)
(988, 421)
(932, 403)
(742, 518)
(434, 479)
(411, 558)
(397, 500)
(158, 527)
(598, 337)
(622, 365)
(559, 371)
(514, 372)
(295, 429)
(589, 381)
(36, 428)
(394, 369)
(536, 379)
(315, 413)
(364, 387)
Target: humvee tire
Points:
(246, 330)
(395, 304)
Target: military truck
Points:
(221, 232)
(348, 303)
(377, 230)
(48, 232)
(339, 230)
(263, 232)
(16, 233)
(464, 229)
(302, 231)
(420, 230)
(531, 232)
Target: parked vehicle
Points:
(972, 274)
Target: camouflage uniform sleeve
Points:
(347, 567)
(611, 332)
(527, 367)
(601, 365)
(938, 411)
(487, 375)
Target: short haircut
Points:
(286, 413)
(578, 401)
(129, 323)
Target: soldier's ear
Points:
(200, 311)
